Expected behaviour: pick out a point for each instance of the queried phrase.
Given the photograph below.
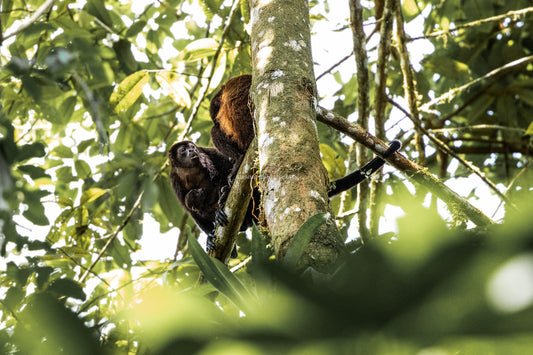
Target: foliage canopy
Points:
(93, 93)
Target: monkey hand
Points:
(210, 245)
(221, 218)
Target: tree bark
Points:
(292, 179)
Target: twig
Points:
(492, 75)
(203, 91)
(33, 18)
(113, 236)
(334, 66)
(443, 147)
(512, 14)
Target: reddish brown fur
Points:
(233, 128)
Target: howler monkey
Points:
(233, 131)
(198, 176)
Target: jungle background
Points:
(93, 93)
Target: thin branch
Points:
(113, 237)
(334, 66)
(458, 205)
(481, 127)
(443, 147)
(33, 18)
(203, 91)
(411, 94)
(512, 14)
(491, 76)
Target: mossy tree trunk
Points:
(293, 181)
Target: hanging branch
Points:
(363, 107)
(457, 204)
(408, 82)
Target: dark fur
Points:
(198, 175)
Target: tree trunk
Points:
(293, 181)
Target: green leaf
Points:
(13, 297)
(129, 90)
(529, 130)
(35, 211)
(91, 195)
(218, 274)
(332, 161)
(302, 237)
(28, 151)
(169, 202)
(35, 172)
(260, 252)
(199, 49)
(175, 86)
(63, 152)
(67, 287)
(83, 170)
(135, 28)
(97, 9)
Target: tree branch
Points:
(236, 206)
(457, 204)
(491, 76)
(512, 14)
(40, 11)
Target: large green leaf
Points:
(129, 90)
(302, 237)
(218, 274)
(174, 85)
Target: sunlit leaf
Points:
(129, 90)
(174, 85)
(529, 130)
(91, 195)
(83, 170)
(199, 49)
(332, 161)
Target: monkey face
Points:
(184, 155)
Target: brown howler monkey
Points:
(198, 176)
(233, 131)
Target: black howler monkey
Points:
(199, 176)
